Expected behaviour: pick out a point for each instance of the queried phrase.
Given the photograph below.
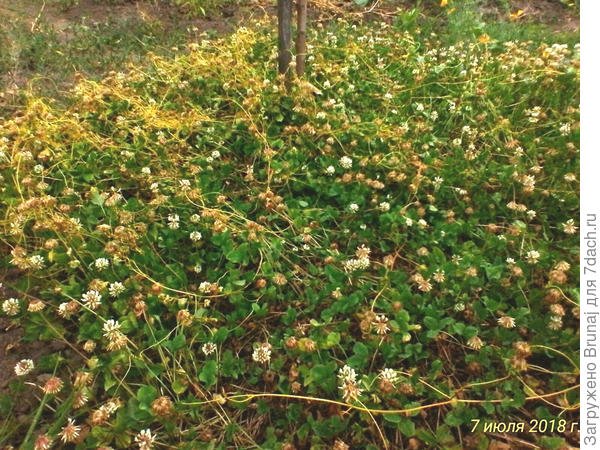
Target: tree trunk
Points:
(284, 16)
(301, 8)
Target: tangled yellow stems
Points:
(243, 398)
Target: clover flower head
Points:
(24, 367)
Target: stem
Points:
(25, 445)
(284, 16)
(301, 9)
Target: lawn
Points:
(383, 254)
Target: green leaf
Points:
(404, 424)
(239, 255)
(178, 386)
(360, 357)
(208, 374)
(96, 198)
(177, 343)
(552, 443)
(146, 395)
(333, 339)
(493, 272)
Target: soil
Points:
(12, 350)
(221, 21)
(549, 12)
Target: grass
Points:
(49, 58)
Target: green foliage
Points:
(205, 7)
(236, 264)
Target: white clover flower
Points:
(195, 218)
(419, 107)
(531, 214)
(24, 155)
(439, 276)
(475, 343)
(36, 262)
(101, 263)
(353, 207)
(146, 170)
(556, 323)
(204, 287)
(330, 170)
(262, 353)
(569, 227)
(384, 206)
(11, 307)
(115, 289)
(408, 221)
(38, 168)
(506, 322)
(389, 375)
(110, 328)
(534, 114)
(532, 256)
(510, 261)
(215, 154)
(380, 323)
(460, 306)
(528, 181)
(112, 332)
(111, 406)
(185, 185)
(63, 310)
(355, 264)
(346, 162)
(195, 236)
(173, 220)
(350, 391)
(70, 432)
(145, 439)
(92, 299)
(347, 374)
(35, 305)
(24, 367)
(348, 385)
(209, 348)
